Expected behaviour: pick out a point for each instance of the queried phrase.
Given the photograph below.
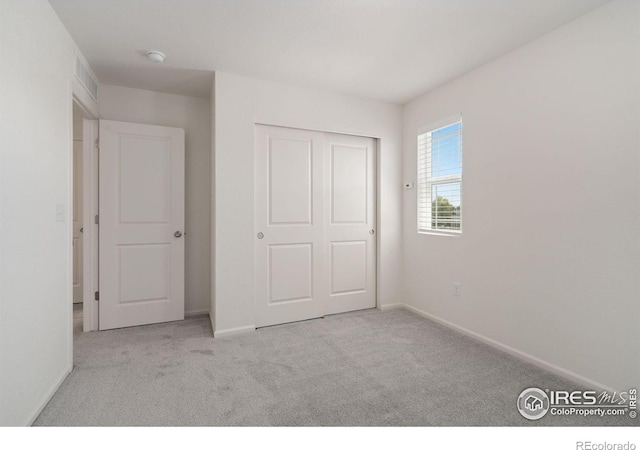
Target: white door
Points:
(314, 212)
(77, 222)
(290, 278)
(350, 242)
(141, 224)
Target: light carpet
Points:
(367, 368)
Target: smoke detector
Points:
(155, 56)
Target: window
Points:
(440, 178)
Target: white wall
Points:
(549, 257)
(194, 115)
(36, 71)
(241, 102)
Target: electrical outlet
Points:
(456, 289)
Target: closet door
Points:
(350, 240)
(291, 283)
(314, 224)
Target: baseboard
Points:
(196, 312)
(549, 367)
(234, 331)
(49, 396)
(391, 306)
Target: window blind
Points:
(440, 178)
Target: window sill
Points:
(441, 233)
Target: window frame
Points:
(430, 181)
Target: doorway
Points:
(84, 205)
(315, 212)
(77, 205)
(78, 220)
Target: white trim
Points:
(196, 312)
(234, 331)
(391, 306)
(90, 236)
(452, 233)
(378, 220)
(47, 398)
(549, 367)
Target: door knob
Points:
(177, 234)
(371, 231)
(260, 235)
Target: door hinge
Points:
(98, 143)
(96, 219)
(96, 296)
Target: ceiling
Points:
(390, 50)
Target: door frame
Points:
(90, 272)
(79, 98)
(377, 198)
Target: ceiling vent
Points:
(86, 79)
